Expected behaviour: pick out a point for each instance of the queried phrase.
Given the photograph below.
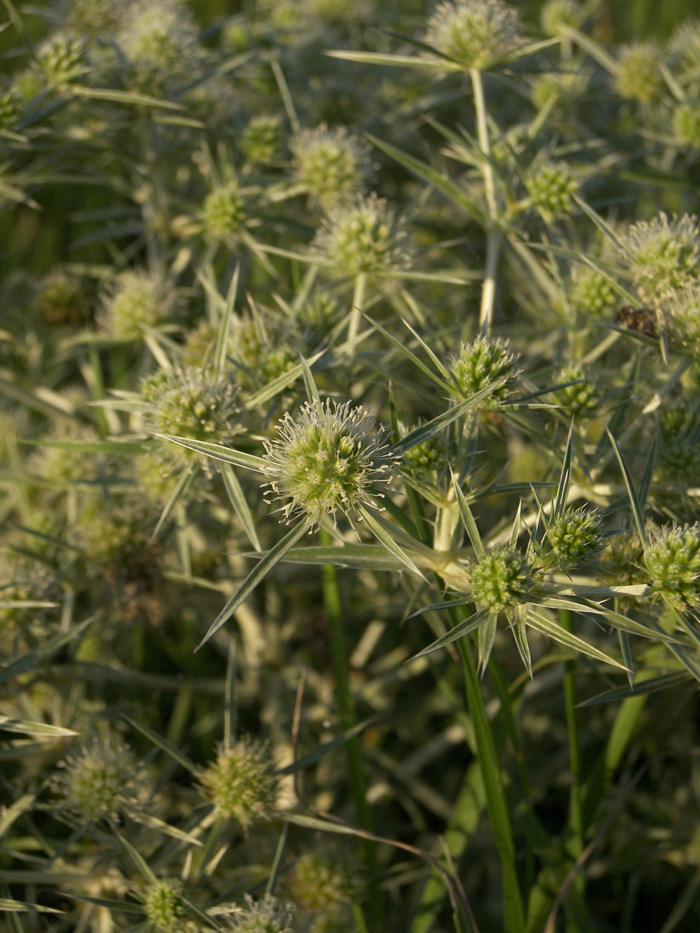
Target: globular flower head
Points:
(11, 103)
(686, 124)
(61, 300)
(332, 165)
(164, 907)
(573, 537)
(224, 212)
(662, 255)
(135, 301)
(680, 448)
(101, 782)
(159, 40)
(557, 13)
(580, 399)
(362, 237)
(330, 458)
(242, 783)
(474, 33)
(192, 404)
(672, 558)
(593, 294)
(638, 75)
(93, 17)
(61, 60)
(269, 915)
(482, 363)
(323, 885)
(261, 142)
(425, 457)
(500, 580)
(552, 187)
(685, 48)
(682, 317)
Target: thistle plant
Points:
(355, 511)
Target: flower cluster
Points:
(242, 783)
(474, 33)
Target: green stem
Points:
(514, 918)
(575, 843)
(346, 711)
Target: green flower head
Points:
(482, 363)
(330, 164)
(500, 579)
(474, 33)
(242, 783)
(672, 558)
(662, 255)
(330, 458)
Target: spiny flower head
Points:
(574, 537)
(224, 212)
(323, 886)
(11, 102)
(135, 301)
(159, 39)
(672, 558)
(682, 315)
(362, 237)
(593, 293)
(101, 782)
(685, 48)
(329, 458)
(61, 59)
(480, 364)
(474, 33)
(192, 404)
(638, 74)
(269, 915)
(261, 141)
(686, 124)
(164, 907)
(552, 187)
(330, 164)
(500, 579)
(581, 398)
(60, 299)
(242, 783)
(557, 13)
(662, 255)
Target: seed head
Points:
(323, 886)
(242, 783)
(328, 459)
(662, 255)
(332, 165)
(136, 300)
(224, 212)
(593, 294)
(362, 237)
(672, 557)
(639, 72)
(474, 33)
(500, 579)
(481, 363)
(101, 782)
(163, 906)
(261, 142)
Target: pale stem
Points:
(358, 300)
(493, 240)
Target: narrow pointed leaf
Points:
(459, 631)
(310, 384)
(219, 452)
(565, 476)
(355, 556)
(181, 487)
(634, 501)
(33, 658)
(160, 742)
(389, 543)
(26, 727)
(486, 637)
(468, 521)
(519, 630)
(547, 627)
(402, 348)
(239, 503)
(222, 337)
(653, 685)
(261, 569)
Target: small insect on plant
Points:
(640, 320)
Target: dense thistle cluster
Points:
(242, 783)
(331, 458)
(639, 72)
(136, 302)
(500, 580)
(164, 907)
(662, 255)
(160, 42)
(552, 187)
(672, 558)
(268, 915)
(574, 537)
(474, 33)
(224, 212)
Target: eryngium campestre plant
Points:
(330, 458)
(672, 557)
(136, 301)
(500, 579)
(638, 75)
(242, 783)
(474, 33)
(573, 537)
(482, 363)
(266, 916)
(163, 906)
